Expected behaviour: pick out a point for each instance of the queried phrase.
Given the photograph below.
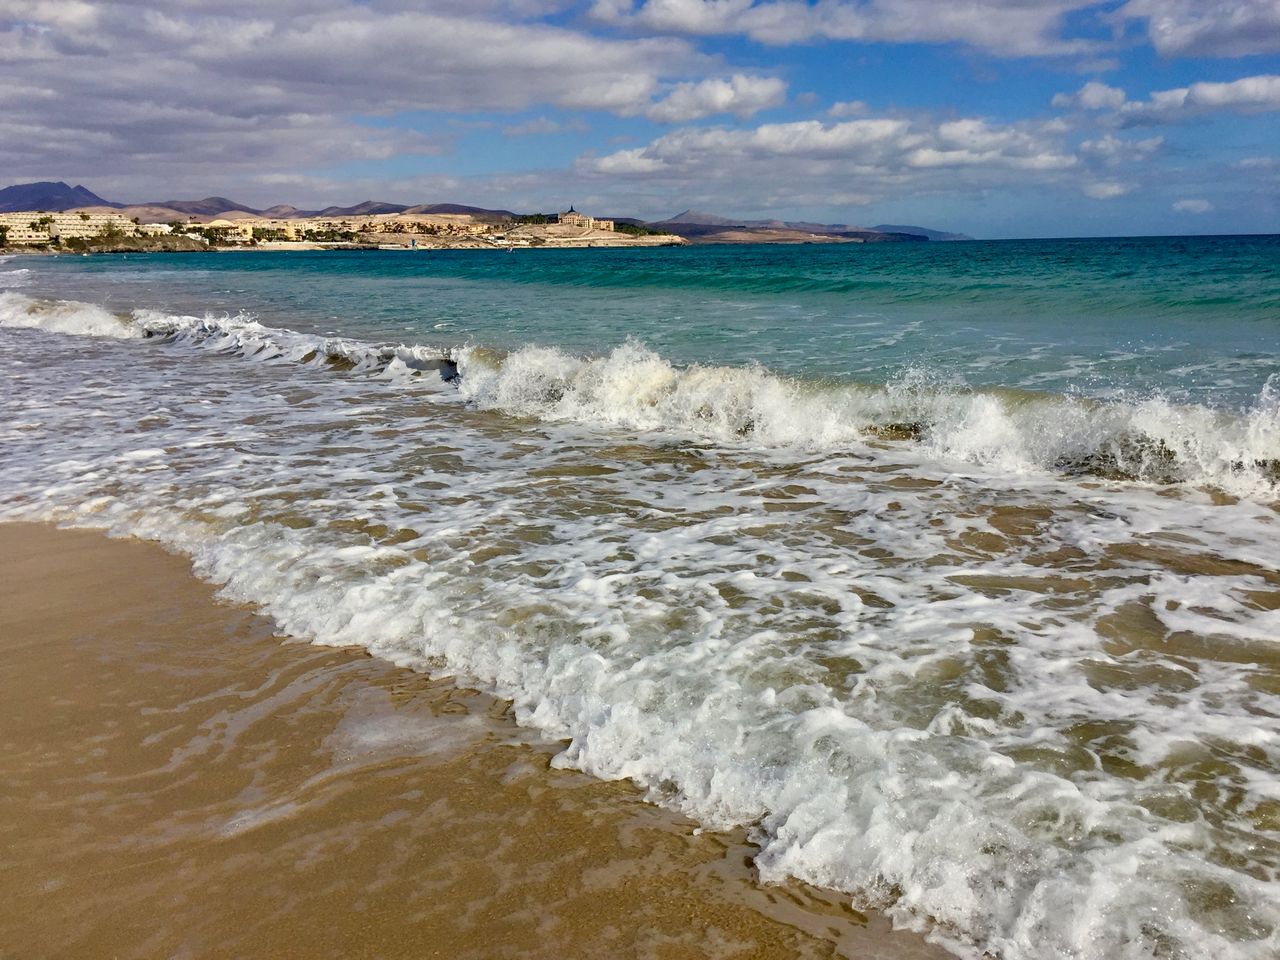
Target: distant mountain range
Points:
(50, 196)
(57, 196)
(695, 225)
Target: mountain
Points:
(368, 208)
(285, 211)
(48, 195)
(702, 219)
(202, 208)
(443, 208)
(920, 232)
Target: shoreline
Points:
(302, 246)
(171, 756)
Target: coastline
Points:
(278, 246)
(186, 781)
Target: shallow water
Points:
(971, 616)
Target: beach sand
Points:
(179, 781)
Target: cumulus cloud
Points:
(870, 158)
(740, 94)
(848, 108)
(969, 142)
(1199, 28)
(1092, 96)
(1003, 27)
(1208, 28)
(1246, 95)
(1192, 206)
(626, 162)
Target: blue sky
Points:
(999, 118)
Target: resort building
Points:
(21, 235)
(27, 228)
(73, 226)
(231, 231)
(572, 218)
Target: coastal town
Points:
(91, 229)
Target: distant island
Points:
(51, 215)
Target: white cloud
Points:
(1208, 28)
(1199, 28)
(1113, 150)
(1246, 95)
(870, 158)
(848, 108)
(1105, 189)
(1192, 206)
(740, 94)
(962, 143)
(63, 13)
(1003, 27)
(1092, 96)
(1260, 91)
(625, 162)
(222, 91)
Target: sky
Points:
(997, 118)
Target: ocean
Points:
(950, 570)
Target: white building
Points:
(27, 228)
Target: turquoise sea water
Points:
(1192, 317)
(952, 570)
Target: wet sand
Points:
(179, 781)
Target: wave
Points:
(1149, 439)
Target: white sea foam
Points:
(1026, 714)
(61, 316)
(632, 387)
(1147, 439)
(13, 278)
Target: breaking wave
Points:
(1148, 439)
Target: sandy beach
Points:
(183, 782)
